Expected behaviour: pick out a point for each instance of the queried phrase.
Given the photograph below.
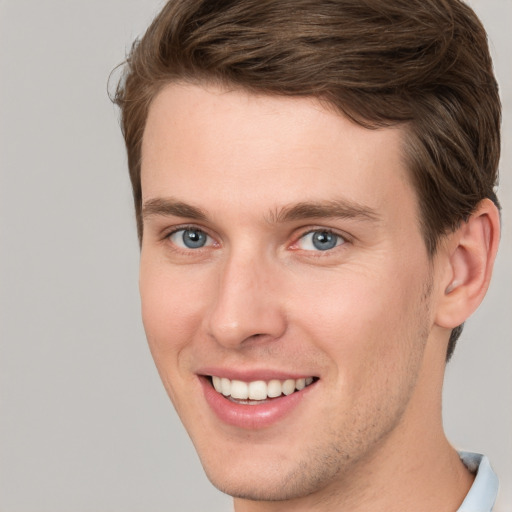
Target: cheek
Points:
(172, 306)
(373, 334)
(344, 305)
(365, 322)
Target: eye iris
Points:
(323, 240)
(193, 238)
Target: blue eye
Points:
(190, 238)
(320, 240)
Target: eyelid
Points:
(168, 231)
(166, 236)
(308, 231)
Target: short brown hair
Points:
(380, 62)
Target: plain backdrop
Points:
(85, 425)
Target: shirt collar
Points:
(482, 495)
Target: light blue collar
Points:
(482, 495)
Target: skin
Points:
(370, 318)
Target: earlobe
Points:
(469, 263)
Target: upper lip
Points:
(250, 375)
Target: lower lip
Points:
(251, 417)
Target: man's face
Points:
(282, 250)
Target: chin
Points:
(273, 480)
(260, 488)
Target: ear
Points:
(468, 259)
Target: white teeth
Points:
(300, 384)
(274, 388)
(258, 389)
(217, 384)
(226, 386)
(288, 387)
(239, 390)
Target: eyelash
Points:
(177, 229)
(342, 239)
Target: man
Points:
(314, 189)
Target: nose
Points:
(247, 305)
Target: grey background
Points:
(85, 424)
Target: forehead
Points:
(210, 144)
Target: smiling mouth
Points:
(258, 391)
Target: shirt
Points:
(483, 492)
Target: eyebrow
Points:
(171, 207)
(340, 208)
